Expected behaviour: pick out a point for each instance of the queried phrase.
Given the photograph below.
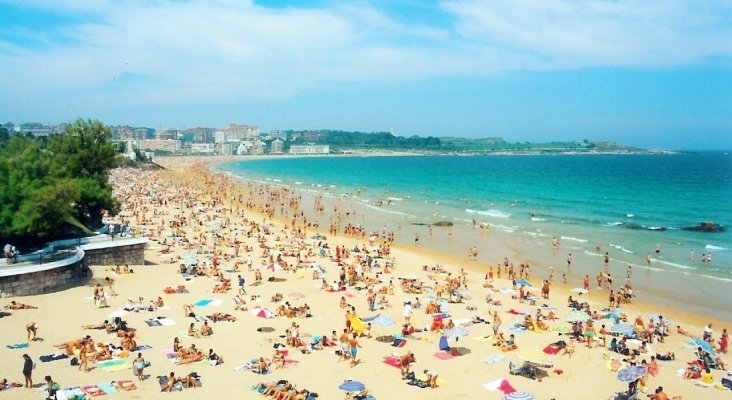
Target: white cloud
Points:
(127, 53)
(581, 33)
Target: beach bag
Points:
(410, 376)
(74, 362)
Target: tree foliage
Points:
(45, 183)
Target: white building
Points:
(309, 149)
(202, 148)
(277, 147)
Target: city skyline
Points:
(647, 74)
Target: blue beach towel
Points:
(202, 303)
(107, 387)
(18, 346)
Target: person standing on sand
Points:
(353, 345)
(28, 371)
(496, 323)
(32, 329)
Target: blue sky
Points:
(651, 73)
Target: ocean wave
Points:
(671, 264)
(621, 248)
(574, 239)
(509, 229)
(489, 213)
(591, 253)
(713, 247)
(395, 198)
(537, 219)
(716, 278)
(630, 215)
(616, 223)
(384, 210)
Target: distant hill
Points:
(354, 140)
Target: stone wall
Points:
(127, 254)
(42, 281)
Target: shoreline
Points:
(650, 283)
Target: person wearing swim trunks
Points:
(353, 346)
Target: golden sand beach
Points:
(231, 229)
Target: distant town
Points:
(242, 139)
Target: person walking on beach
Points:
(139, 366)
(28, 371)
(353, 346)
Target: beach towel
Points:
(335, 291)
(494, 359)
(163, 380)
(71, 393)
(357, 325)
(482, 338)
(153, 322)
(443, 356)
(107, 387)
(53, 357)
(166, 322)
(552, 349)
(114, 365)
(142, 347)
(202, 302)
(493, 385)
(93, 390)
(399, 343)
(506, 387)
(216, 302)
(18, 346)
(393, 361)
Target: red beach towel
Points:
(392, 361)
(551, 350)
(506, 387)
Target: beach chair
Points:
(513, 369)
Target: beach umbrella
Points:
(632, 373)
(575, 316)
(296, 295)
(518, 396)
(411, 275)
(190, 258)
(697, 342)
(622, 329)
(523, 282)
(262, 313)
(457, 332)
(533, 355)
(274, 267)
(562, 328)
(656, 319)
(383, 321)
(351, 386)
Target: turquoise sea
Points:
(625, 203)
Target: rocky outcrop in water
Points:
(707, 226)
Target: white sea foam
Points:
(537, 219)
(489, 213)
(616, 223)
(298, 183)
(630, 215)
(574, 239)
(671, 264)
(621, 248)
(395, 198)
(384, 210)
(713, 247)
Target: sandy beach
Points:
(230, 229)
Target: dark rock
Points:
(443, 223)
(706, 226)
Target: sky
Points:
(648, 73)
